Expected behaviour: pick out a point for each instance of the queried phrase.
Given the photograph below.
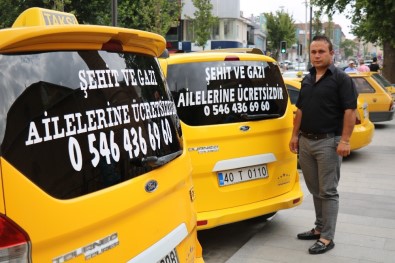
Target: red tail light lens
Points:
(232, 58)
(14, 242)
(202, 222)
(358, 117)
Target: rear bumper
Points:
(235, 214)
(379, 116)
(362, 136)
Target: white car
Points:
(300, 66)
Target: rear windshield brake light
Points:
(112, 46)
(232, 58)
(14, 242)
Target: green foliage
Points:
(317, 24)
(150, 15)
(94, 12)
(10, 9)
(349, 46)
(329, 30)
(203, 21)
(373, 20)
(280, 27)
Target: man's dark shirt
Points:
(374, 67)
(323, 103)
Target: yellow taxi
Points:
(384, 83)
(381, 104)
(237, 121)
(93, 166)
(363, 130)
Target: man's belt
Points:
(317, 136)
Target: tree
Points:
(94, 12)
(329, 30)
(150, 15)
(203, 21)
(280, 27)
(373, 21)
(11, 9)
(348, 47)
(317, 24)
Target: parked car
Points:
(363, 130)
(381, 104)
(289, 64)
(384, 83)
(236, 118)
(301, 66)
(92, 159)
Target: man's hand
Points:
(294, 144)
(343, 148)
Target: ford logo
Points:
(151, 186)
(244, 128)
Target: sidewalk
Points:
(366, 222)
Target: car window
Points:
(87, 120)
(383, 82)
(293, 93)
(362, 85)
(220, 92)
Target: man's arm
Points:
(343, 149)
(294, 143)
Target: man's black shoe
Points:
(309, 235)
(319, 247)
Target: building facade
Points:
(232, 31)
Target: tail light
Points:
(14, 242)
(358, 118)
(232, 58)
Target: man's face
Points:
(320, 55)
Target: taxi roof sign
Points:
(36, 16)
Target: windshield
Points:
(85, 120)
(219, 92)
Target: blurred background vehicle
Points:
(381, 104)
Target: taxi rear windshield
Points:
(211, 93)
(75, 122)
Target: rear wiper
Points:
(155, 161)
(246, 116)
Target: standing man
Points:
(362, 67)
(374, 66)
(323, 125)
(351, 67)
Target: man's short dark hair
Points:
(374, 59)
(324, 38)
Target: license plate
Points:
(171, 257)
(244, 174)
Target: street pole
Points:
(311, 32)
(114, 9)
(305, 37)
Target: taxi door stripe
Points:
(163, 246)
